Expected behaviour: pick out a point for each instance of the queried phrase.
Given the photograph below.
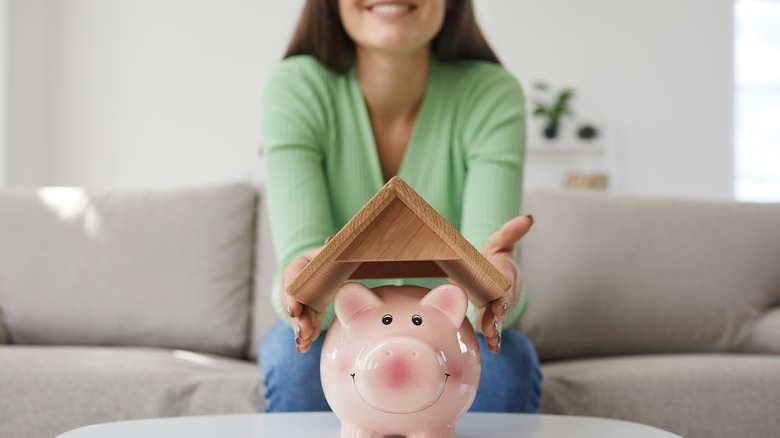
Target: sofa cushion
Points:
(695, 396)
(49, 390)
(612, 275)
(263, 314)
(165, 268)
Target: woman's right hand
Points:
(304, 320)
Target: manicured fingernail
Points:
(298, 331)
(503, 309)
(289, 311)
(530, 216)
(495, 326)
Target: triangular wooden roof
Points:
(397, 235)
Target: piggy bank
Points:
(400, 360)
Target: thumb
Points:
(510, 233)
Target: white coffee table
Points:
(326, 425)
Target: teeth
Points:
(391, 8)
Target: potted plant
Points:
(553, 111)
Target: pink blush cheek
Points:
(456, 373)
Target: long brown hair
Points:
(320, 33)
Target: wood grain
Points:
(397, 235)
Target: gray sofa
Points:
(129, 305)
(122, 305)
(664, 312)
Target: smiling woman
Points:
(320, 33)
(370, 90)
(394, 27)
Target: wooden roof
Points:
(397, 235)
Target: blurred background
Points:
(684, 95)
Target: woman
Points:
(370, 89)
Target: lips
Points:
(391, 9)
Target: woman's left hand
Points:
(500, 251)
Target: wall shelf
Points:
(563, 162)
(565, 146)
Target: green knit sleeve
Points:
(494, 138)
(295, 118)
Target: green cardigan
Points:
(465, 156)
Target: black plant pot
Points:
(587, 132)
(551, 131)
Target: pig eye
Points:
(416, 320)
(387, 319)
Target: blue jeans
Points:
(510, 381)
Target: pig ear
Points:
(450, 300)
(353, 298)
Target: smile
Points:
(446, 377)
(391, 10)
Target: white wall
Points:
(140, 93)
(3, 87)
(126, 93)
(29, 34)
(658, 73)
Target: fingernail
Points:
(530, 216)
(298, 349)
(495, 326)
(298, 331)
(503, 309)
(289, 311)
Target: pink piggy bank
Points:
(400, 360)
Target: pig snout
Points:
(401, 375)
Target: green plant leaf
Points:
(540, 112)
(567, 94)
